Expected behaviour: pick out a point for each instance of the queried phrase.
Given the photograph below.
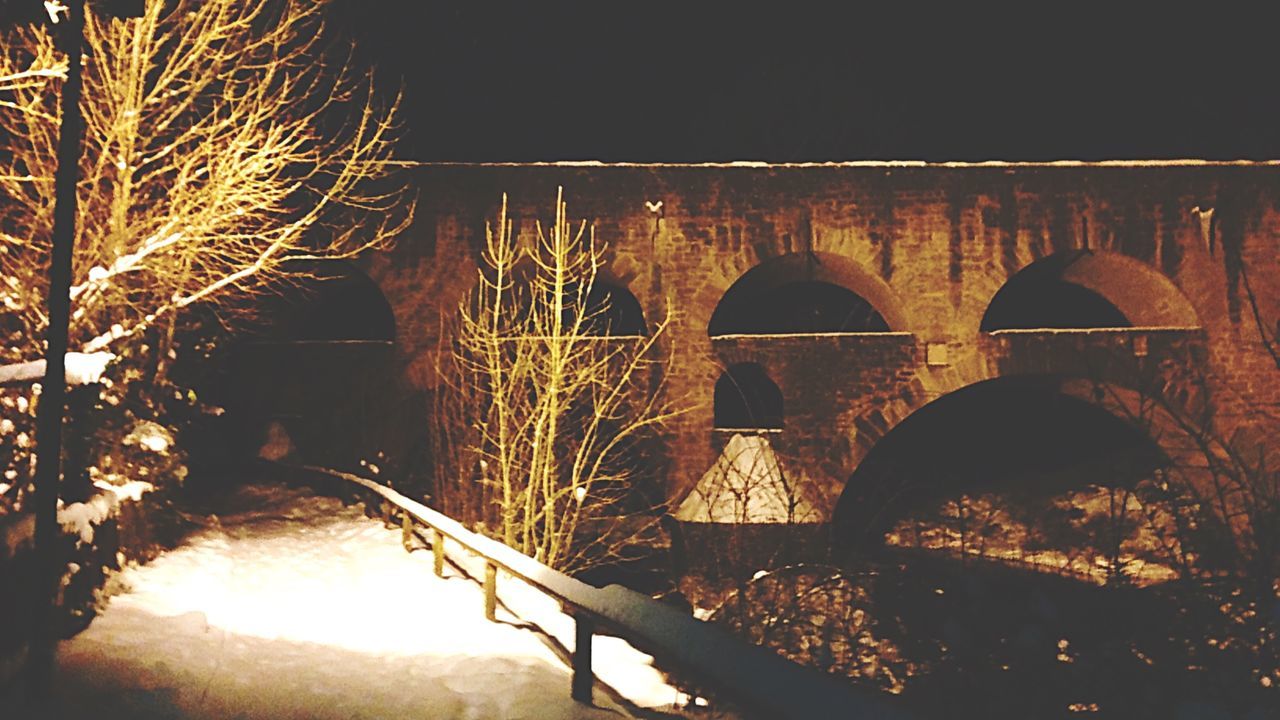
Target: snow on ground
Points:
(298, 607)
(614, 661)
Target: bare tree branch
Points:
(224, 140)
(553, 407)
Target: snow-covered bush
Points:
(17, 443)
(136, 425)
(122, 430)
(820, 617)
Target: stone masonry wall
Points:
(936, 241)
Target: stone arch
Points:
(337, 303)
(614, 309)
(317, 380)
(870, 427)
(992, 432)
(747, 399)
(836, 293)
(1088, 289)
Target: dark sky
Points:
(701, 81)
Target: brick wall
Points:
(937, 243)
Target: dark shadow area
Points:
(1018, 437)
(991, 640)
(610, 308)
(746, 399)
(1038, 296)
(797, 308)
(340, 304)
(1085, 289)
(613, 311)
(1031, 301)
(805, 293)
(316, 382)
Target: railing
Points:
(749, 676)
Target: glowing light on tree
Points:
(224, 142)
(554, 411)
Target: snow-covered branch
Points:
(82, 369)
(222, 140)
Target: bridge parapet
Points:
(1124, 356)
(821, 372)
(929, 247)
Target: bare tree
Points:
(557, 410)
(1211, 514)
(224, 140)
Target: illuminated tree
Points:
(557, 409)
(225, 142)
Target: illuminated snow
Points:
(301, 607)
(154, 443)
(746, 484)
(150, 436)
(87, 368)
(81, 368)
(615, 662)
(80, 518)
(131, 490)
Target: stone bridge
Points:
(826, 304)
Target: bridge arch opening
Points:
(337, 303)
(610, 308)
(806, 293)
(1085, 289)
(1006, 468)
(747, 400)
(314, 383)
(612, 311)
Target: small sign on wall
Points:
(935, 354)
(1140, 346)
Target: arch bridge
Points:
(825, 305)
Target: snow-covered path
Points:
(298, 607)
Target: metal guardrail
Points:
(751, 677)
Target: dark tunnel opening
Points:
(746, 399)
(612, 311)
(1020, 439)
(1055, 304)
(799, 307)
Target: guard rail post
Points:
(583, 679)
(437, 551)
(490, 591)
(406, 531)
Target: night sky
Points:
(701, 81)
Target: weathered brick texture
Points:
(931, 245)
